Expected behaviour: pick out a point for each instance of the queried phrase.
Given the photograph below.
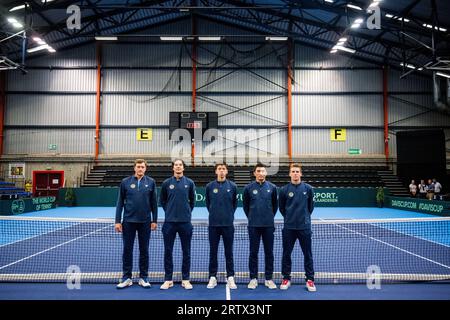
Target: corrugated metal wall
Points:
(129, 109)
(412, 83)
(337, 110)
(243, 81)
(336, 98)
(318, 142)
(415, 110)
(259, 110)
(308, 57)
(83, 56)
(338, 81)
(45, 106)
(32, 109)
(144, 55)
(37, 141)
(256, 143)
(143, 80)
(113, 141)
(52, 81)
(142, 83)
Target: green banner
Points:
(323, 197)
(18, 206)
(440, 208)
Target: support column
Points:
(194, 74)
(289, 99)
(194, 80)
(386, 112)
(2, 107)
(98, 99)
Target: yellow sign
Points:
(338, 134)
(144, 134)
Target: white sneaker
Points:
(310, 286)
(186, 284)
(166, 285)
(231, 283)
(143, 282)
(253, 284)
(270, 284)
(285, 284)
(212, 283)
(125, 283)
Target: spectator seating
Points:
(317, 176)
(9, 191)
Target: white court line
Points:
(54, 247)
(227, 292)
(395, 247)
(38, 235)
(410, 235)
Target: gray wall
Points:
(55, 102)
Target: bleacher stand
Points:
(317, 176)
(8, 191)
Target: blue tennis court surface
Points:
(58, 291)
(40, 228)
(343, 247)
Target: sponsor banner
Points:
(323, 197)
(19, 206)
(440, 208)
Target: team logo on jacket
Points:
(255, 191)
(171, 186)
(228, 190)
(146, 185)
(304, 192)
(185, 185)
(291, 194)
(215, 190)
(133, 186)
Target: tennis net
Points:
(344, 251)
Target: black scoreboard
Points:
(192, 120)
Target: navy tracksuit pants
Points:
(169, 231)
(227, 234)
(290, 236)
(129, 230)
(255, 234)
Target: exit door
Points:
(47, 183)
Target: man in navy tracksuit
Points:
(177, 198)
(221, 203)
(137, 195)
(296, 201)
(260, 206)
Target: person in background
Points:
(28, 186)
(437, 190)
(413, 189)
(422, 189)
(430, 190)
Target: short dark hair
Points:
(218, 164)
(258, 165)
(175, 160)
(137, 161)
(295, 165)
